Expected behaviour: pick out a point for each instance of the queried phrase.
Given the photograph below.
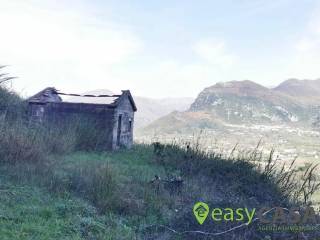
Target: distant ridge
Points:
(306, 91)
(246, 102)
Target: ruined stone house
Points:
(114, 118)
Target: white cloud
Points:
(314, 23)
(214, 52)
(49, 47)
(306, 56)
(305, 45)
(177, 78)
(173, 78)
(73, 51)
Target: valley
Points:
(288, 142)
(245, 114)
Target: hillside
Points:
(150, 109)
(304, 91)
(180, 123)
(246, 102)
(240, 102)
(111, 195)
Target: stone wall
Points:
(125, 113)
(104, 118)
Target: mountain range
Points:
(293, 102)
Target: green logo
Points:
(201, 211)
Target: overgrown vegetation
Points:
(22, 141)
(55, 185)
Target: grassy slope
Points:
(30, 210)
(108, 195)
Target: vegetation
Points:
(56, 185)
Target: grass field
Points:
(40, 206)
(107, 195)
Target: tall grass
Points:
(240, 179)
(17, 141)
(287, 182)
(23, 141)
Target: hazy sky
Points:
(157, 48)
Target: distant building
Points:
(114, 118)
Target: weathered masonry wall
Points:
(123, 127)
(112, 122)
(99, 117)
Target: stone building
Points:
(114, 118)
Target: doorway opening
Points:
(119, 129)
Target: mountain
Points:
(305, 91)
(149, 109)
(246, 102)
(240, 102)
(181, 122)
